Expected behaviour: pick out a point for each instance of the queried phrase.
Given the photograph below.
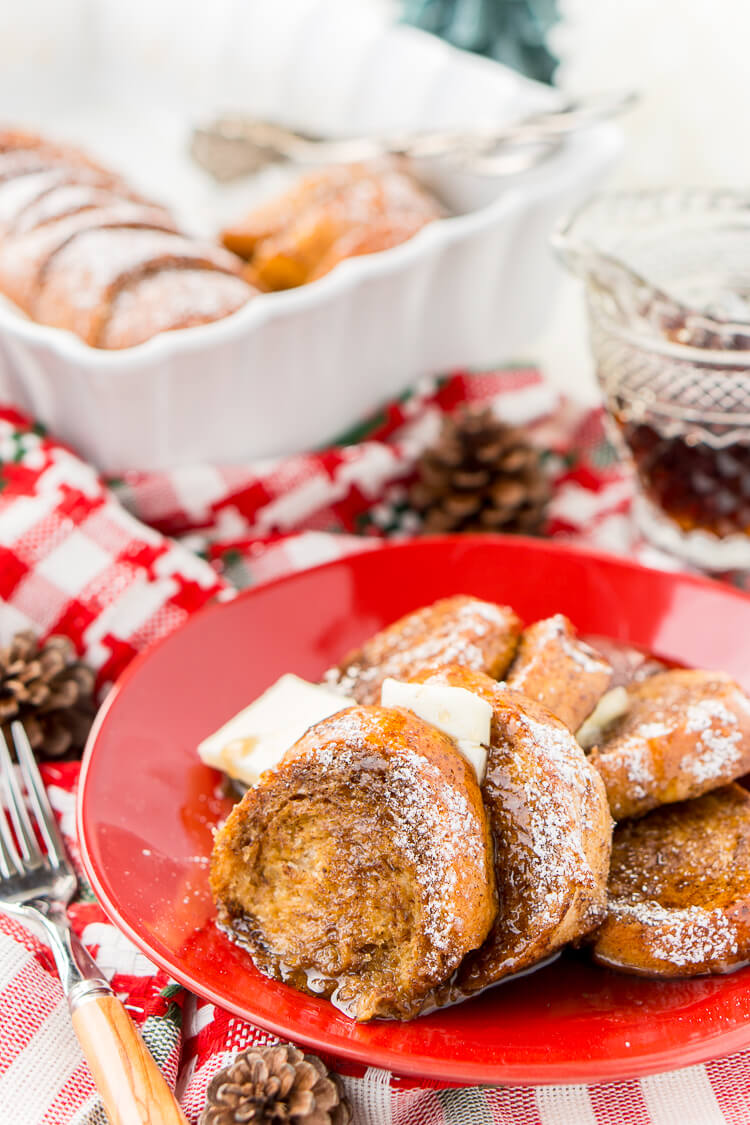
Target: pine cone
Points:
(275, 1086)
(49, 691)
(481, 475)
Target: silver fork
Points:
(36, 885)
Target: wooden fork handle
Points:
(129, 1082)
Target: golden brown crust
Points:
(270, 219)
(679, 889)
(20, 161)
(11, 138)
(65, 198)
(103, 262)
(459, 630)
(556, 668)
(168, 300)
(22, 141)
(382, 234)
(29, 201)
(551, 830)
(339, 212)
(685, 732)
(74, 237)
(361, 867)
(26, 259)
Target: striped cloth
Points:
(116, 564)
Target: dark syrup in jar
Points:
(697, 486)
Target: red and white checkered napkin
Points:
(74, 560)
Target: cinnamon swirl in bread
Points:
(81, 250)
(360, 868)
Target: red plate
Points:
(147, 807)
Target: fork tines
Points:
(19, 848)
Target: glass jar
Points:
(668, 293)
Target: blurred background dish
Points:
(288, 371)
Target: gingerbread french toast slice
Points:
(559, 670)
(551, 831)
(682, 733)
(339, 212)
(459, 630)
(679, 889)
(360, 868)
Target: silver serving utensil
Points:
(36, 885)
(236, 145)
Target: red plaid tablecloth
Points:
(116, 564)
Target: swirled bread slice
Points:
(102, 263)
(26, 259)
(679, 889)
(559, 670)
(69, 196)
(360, 868)
(52, 193)
(551, 831)
(458, 630)
(684, 732)
(80, 250)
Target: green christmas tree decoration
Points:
(512, 31)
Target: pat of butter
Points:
(612, 705)
(457, 712)
(257, 738)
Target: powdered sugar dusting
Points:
(719, 749)
(95, 259)
(558, 746)
(554, 631)
(436, 838)
(639, 766)
(682, 937)
(578, 651)
(16, 194)
(461, 637)
(170, 299)
(683, 728)
(654, 730)
(547, 800)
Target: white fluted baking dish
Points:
(292, 369)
